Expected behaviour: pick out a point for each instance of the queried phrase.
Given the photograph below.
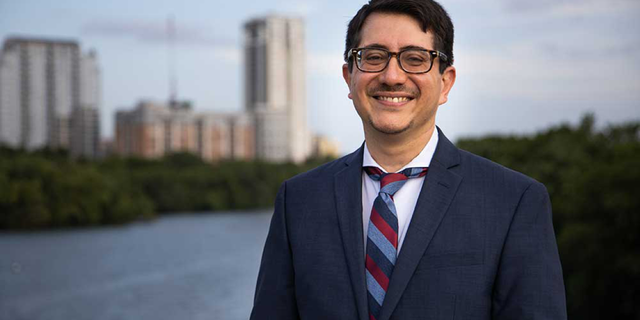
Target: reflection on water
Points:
(179, 267)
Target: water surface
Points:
(188, 266)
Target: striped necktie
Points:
(382, 237)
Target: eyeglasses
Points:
(410, 60)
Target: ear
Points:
(448, 79)
(347, 77)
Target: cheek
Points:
(354, 85)
(358, 92)
(359, 83)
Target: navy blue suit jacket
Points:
(480, 245)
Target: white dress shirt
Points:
(405, 199)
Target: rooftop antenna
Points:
(171, 48)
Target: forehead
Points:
(394, 31)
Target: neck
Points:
(393, 152)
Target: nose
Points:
(393, 74)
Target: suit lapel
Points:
(348, 196)
(438, 190)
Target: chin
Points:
(389, 129)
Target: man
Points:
(446, 235)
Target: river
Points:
(186, 266)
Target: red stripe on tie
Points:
(384, 227)
(392, 177)
(377, 274)
(371, 317)
(373, 170)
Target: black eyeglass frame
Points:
(353, 53)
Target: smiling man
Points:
(408, 226)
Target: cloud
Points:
(525, 74)
(570, 7)
(600, 52)
(232, 55)
(325, 64)
(301, 8)
(154, 32)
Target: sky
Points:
(522, 66)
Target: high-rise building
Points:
(85, 118)
(43, 85)
(85, 133)
(275, 93)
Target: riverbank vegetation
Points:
(46, 189)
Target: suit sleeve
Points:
(529, 283)
(275, 290)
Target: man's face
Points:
(418, 95)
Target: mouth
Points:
(393, 99)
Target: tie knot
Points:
(390, 183)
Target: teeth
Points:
(394, 99)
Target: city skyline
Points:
(521, 67)
(272, 127)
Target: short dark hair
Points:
(430, 14)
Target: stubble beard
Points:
(390, 131)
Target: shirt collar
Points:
(421, 160)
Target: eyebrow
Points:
(380, 46)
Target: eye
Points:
(374, 56)
(414, 58)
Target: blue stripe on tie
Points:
(379, 258)
(412, 172)
(374, 307)
(382, 243)
(389, 203)
(386, 213)
(393, 187)
(375, 289)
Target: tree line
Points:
(47, 189)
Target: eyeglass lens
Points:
(375, 60)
